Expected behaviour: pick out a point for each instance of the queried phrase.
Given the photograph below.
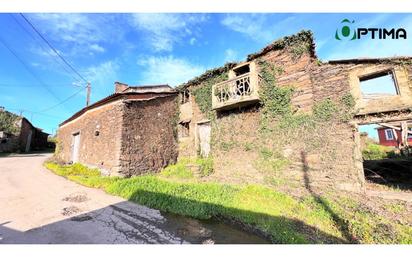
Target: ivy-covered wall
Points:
(300, 135)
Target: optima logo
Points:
(347, 32)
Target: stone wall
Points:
(100, 137)
(148, 135)
(25, 129)
(326, 155)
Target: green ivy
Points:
(276, 101)
(203, 93)
(325, 110)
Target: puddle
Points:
(208, 231)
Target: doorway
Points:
(75, 147)
(28, 142)
(203, 135)
(386, 154)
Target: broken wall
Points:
(148, 135)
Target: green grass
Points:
(181, 170)
(283, 218)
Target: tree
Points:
(8, 122)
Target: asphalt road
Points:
(37, 206)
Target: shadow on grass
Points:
(341, 224)
(276, 229)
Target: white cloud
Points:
(164, 30)
(168, 70)
(102, 78)
(231, 55)
(97, 48)
(192, 41)
(77, 32)
(251, 25)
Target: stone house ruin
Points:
(283, 116)
(24, 138)
(127, 133)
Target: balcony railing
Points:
(236, 91)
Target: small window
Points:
(378, 85)
(389, 134)
(184, 96)
(184, 129)
(410, 133)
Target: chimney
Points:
(119, 87)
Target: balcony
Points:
(238, 91)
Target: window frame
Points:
(184, 130)
(392, 134)
(376, 75)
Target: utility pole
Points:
(88, 88)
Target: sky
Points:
(147, 48)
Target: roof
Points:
(302, 36)
(134, 96)
(146, 88)
(399, 59)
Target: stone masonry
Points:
(124, 134)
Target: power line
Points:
(28, 69)
(39, 80)
(57, 53)
(62, 102)
(30, 85)
(43, 47)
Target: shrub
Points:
(376, 152)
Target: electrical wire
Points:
(54, 49)
(44, 48)
(28, 69)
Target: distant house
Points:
(391, 137)
(130, 132)
(23, 137)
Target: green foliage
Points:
(205, 166)
(348, 101)
(72, 170)
(181, 170)
(248, 146)
(227, 145)
(376, 152)
(275, 100)
(297, 50)
(325, 110)
(7, 122)
(283, 217)
(178, 170)
(203, 93)
(271, 165)
(367, 226)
